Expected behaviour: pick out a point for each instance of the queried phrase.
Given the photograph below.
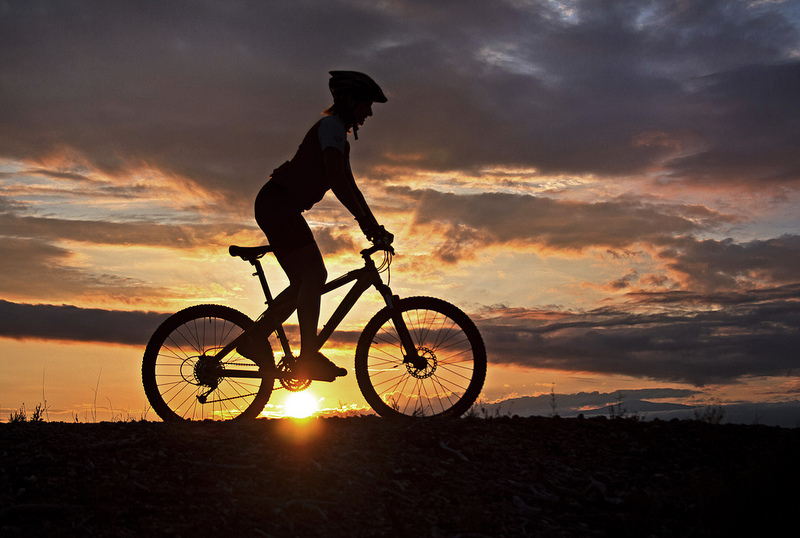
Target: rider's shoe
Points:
(316, 367)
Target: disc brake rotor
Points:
(430, 364)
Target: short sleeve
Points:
(332, 134)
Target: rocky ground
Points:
(368, 476)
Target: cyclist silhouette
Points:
(322, 163)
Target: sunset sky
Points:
(610, 188)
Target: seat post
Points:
(262, 278)
(284, 340)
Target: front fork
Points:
(411, 354)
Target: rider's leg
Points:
(282, 222)
(281, 219)
(306, 271)
(252, 342)
(279, 310)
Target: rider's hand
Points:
(377, 234)
(381, 237)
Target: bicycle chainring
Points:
(295, 385)
(285, 375)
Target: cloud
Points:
(710, 264)
(77, 324)
(634, 403)
(755, 141)
(35, 269)
(575, 93)
(221, 94)
(559, 225)
(118, 233)
(45, 258)
(734, 336)
(330, 242)
(620, 227)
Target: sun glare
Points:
(300, 405)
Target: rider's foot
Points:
(315, 366)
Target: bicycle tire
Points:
(455, 367)
(175, 374)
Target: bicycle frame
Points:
(364, 278)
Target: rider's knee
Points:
(317, 275)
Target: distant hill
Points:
(784, 414)
(571, 405)
(637, 407)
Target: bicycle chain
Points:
(231, 398)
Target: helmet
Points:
(344, 83)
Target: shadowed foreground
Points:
(372, 477)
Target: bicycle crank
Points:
(287, 379)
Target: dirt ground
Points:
(370, 477)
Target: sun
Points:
(300, 405)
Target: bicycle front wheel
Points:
(184, 380)
(449, 379)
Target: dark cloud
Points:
(694, 300)
(759, 108)
(71, 323)
(118, 233)
(221, 93)
(711, 264)
(488, 218)
(575, 94)
(46, 173)
(750, 334)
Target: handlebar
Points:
(378, 246)
(253, 253)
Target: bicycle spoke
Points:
(446, 375)
(180, 367)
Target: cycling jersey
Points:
(304, 176)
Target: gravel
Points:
(371, 477)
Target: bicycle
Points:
(416, 357)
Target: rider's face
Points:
(362, 111)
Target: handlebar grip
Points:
(375, 248)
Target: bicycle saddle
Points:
(249, 253)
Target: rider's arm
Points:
(344, 185)
(368, 216)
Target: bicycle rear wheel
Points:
(182, 377)
(454, 368)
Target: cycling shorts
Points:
(279, 215)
